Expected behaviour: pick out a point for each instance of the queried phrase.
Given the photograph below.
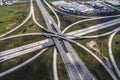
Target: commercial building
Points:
(8, 2)
(72, 7)
(93, 6)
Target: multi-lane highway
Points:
(84, 20)
(78, 72)
(70, 67)
(94, 36)
(15, 52)
(95, 28)
(80, 67)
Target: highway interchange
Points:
(74, 65)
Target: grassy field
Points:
(11, 16)
(28, 27)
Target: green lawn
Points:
(10, 16)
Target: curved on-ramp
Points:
(50, 7)
(111, 54)
(55, 72)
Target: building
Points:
(93, 6)
(7, 2)
(72, 7)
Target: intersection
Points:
(73, 64)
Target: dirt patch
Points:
(10, 26)
(93, 46)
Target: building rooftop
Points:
(82, 7)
